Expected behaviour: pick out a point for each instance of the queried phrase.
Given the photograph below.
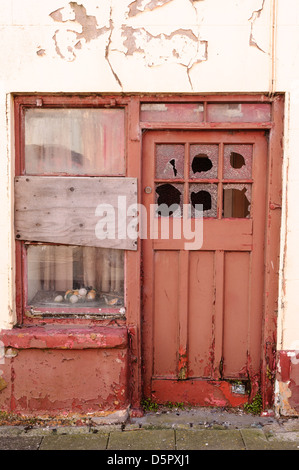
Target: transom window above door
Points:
(216, 176)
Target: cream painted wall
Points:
(287, 75)
(184, 46)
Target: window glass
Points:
(75, 141)
(239, 112)
(170, 161)
(67, 277)
(204, 197)
(238, 161)
(204, 161)
(172, 112)
(236, 200)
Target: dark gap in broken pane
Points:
(168, 200)
(201, 162)
(237, 160)
(172, 163)
(202, 197)
(236, 201)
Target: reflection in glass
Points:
(236, 200)
(74, 276)
(75, 141)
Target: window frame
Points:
(75, 315)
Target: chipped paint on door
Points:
(203, 308)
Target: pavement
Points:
(173, 432)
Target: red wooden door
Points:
(202, 308)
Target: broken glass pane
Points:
(171, 112)
(169, 198)
(170, 161)
(203, 161)
(236, 200)
(205, 194)
(64, 276)
(75, 141)
(239, 112)
(237, 161)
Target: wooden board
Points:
(69, 210)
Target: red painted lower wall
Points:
(287, 390)
(59, 371)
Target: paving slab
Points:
(284, 441)
(209, 440)
(10, 431)
(75, 442)
(19, 443)
(142, 439)
(254, 439)
(201, 418)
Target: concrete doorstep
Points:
(168, 431)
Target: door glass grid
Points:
(215, 175)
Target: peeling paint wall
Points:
(173, 46)
(94, 46)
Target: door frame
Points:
(134, 128)
(272, 220)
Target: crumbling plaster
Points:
(59, 42)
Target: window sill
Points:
(65, 337)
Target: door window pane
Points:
(74, 276)
(237, 161)
(75, 141)
(205, 195)
(236, 200)
(170, 161)
(203, 161)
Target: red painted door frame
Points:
(265, 382)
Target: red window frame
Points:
(84, 315)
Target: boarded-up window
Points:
(74, 160)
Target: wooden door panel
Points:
(235, 313)
(201, 301)
(166, 289)
(223, 234)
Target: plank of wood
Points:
(68, 210)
